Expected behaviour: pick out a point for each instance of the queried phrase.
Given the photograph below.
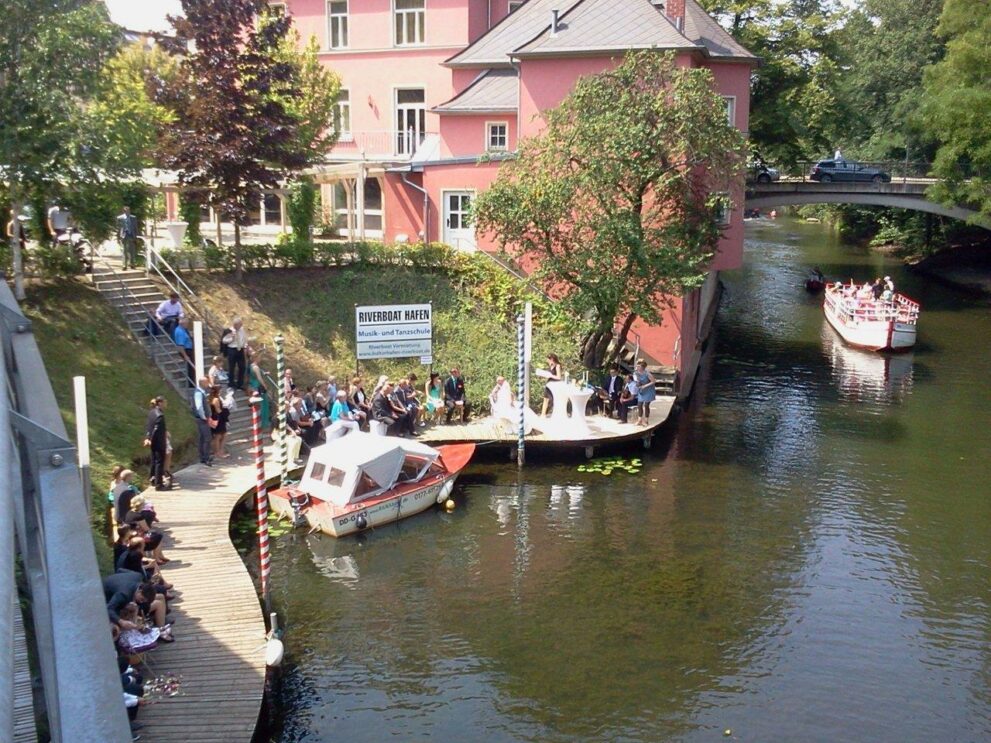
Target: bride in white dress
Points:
(505, 409)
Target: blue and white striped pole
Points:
(521, 400)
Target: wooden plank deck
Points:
(24, 728)
(219, 652)
(605, 431)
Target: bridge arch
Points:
(897, 195)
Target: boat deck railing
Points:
(900, 308)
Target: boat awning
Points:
(361, 465)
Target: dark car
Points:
(827, 171)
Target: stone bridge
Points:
(908, 193)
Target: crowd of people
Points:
(880, 290)
(136, 593)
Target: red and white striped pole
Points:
(261, 498)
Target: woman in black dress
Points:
(156, 438)
(220, 414)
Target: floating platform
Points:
(489, 431)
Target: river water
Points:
(805, 556)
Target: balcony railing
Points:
(397, 144)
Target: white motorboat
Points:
(361, 481)
(875, 324)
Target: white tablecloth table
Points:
(560, 424)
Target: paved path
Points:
(219, 650)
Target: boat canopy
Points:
(360, 465)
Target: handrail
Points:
(167, 347)
(71, 638)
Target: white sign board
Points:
(393, 331)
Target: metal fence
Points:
(45, 513)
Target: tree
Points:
(51, 56)
(957, 110)
(235, 135)
(315, 104)
(616, 202)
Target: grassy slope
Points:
(80, 334)
(314, 310)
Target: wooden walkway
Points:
(605, 431)
(24, 729)
(219, 652)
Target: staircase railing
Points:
(161, 347)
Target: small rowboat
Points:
(361, 481)
(874, 324)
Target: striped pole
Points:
(521, 387)
(280, 383)
(261, 498)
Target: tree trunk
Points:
(624, 333)
(15, 244)
(238, 263)
(594, 347)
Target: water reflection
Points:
(867, 376)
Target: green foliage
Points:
(96, 205)
(613, 202)
(315, 104)
(80, 334)
(189, 212)
(957, 111)
(302, 208)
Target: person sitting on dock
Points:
(627, 398)
(455, 397)
(406, 394)
(358, 399)
(384, 412)
(611, 390)
(404, 417)
(120, 589)
(341, 417)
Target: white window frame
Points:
(344, 133)
(489, 147)
(421, 25)
(730, 101)
(514, 5)
(442, 226)
(397, 107)
(346, 25)
(282, 6)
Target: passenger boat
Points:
(878, 325)
(361, 481)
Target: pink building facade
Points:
(431, 86)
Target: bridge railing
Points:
(45, 521)
(899, 170)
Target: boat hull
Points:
(875, 335)
(401, 502)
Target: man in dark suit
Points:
(127, 233)
(455, 399)
(611, 390)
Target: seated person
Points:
(407, 396)
(341, 416)
(122, 494)
(138, 521)
(502, 399)
(403, 414)
(455, 397)
(384, 412)
(628, 398)
(169, 313)
(301, 422)
(611, 390)
(357, 399)
(120, 589)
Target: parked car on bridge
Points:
(761, 172)
(827, 171)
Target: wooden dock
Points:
(605, 432)
(219, 652)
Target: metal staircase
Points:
(666, 377)
(135, 294)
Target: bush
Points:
(53, 260)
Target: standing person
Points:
(58, 220)
(555, 373)
(169, 312)
(237, 344)
(645, 392)
(127, 234)
(201, 412)
(155, 437)
(184, 341)
(220, 415)
(257, 383)
(455, 397)
(15, 230)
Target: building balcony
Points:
(378, 145)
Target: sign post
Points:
(198, 355)
(82, 437)
(394, 331)
(527, 349)
(520, 387)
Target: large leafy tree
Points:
(51, 56)
(235, 134)
(615, 204)
(957, 110)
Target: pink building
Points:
(430, 86)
